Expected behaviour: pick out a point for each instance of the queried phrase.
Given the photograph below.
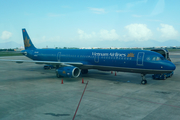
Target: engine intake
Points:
(69, 72)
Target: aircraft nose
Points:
(171, 66)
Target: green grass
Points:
(173, 50)
(10, 53)
(170, 50)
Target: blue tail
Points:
(27, 41)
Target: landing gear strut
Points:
(144, 81)
(57, 75)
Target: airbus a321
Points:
(72, 62)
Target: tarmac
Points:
(28, 92)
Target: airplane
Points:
(72, 62)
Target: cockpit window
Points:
(158, 58)
(153, 58)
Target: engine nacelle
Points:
(69, 71)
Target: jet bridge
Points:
(163, 52)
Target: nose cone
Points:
(173, 67)
(170, 66)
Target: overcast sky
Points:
(90, 23)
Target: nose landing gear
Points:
(144, 81)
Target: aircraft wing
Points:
(45, 62)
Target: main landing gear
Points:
(57, 74)
(144, 81)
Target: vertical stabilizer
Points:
(27, 41)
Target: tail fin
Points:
(27, 41)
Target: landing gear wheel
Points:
(144, 82)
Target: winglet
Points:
(27, 41)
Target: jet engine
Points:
(69, 71)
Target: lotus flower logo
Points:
(26, 42)
(64, 72)
(130, 55)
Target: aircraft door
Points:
(59, 56)
(140, 58)
(96, 58)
